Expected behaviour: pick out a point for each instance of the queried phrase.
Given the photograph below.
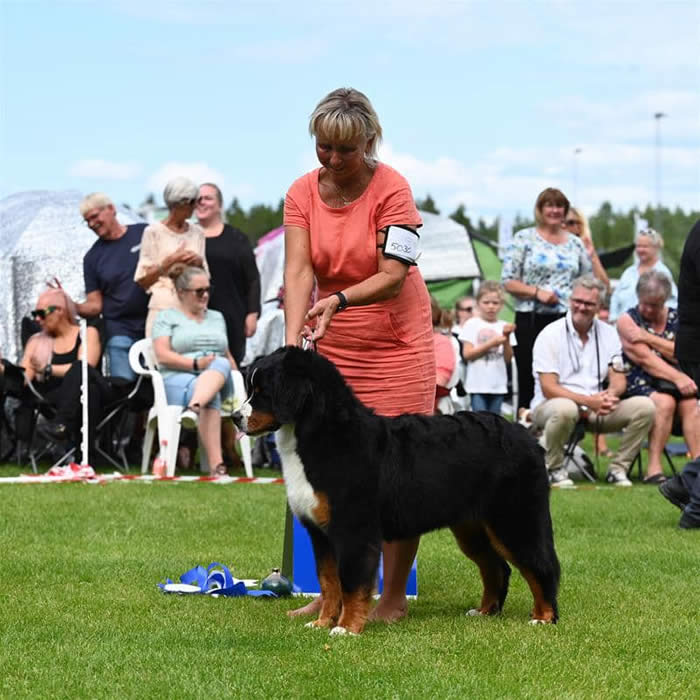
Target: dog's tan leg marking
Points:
(321, 513)
(330, 594)
(543, 611)
(474, 542)
(355, 611)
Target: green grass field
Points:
(81, 616)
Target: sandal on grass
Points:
(219, 470)
(654, 479)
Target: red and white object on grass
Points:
(160, 464)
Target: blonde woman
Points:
(647, 249)
(350, 225)
(577, 223)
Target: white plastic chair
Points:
(167, 417)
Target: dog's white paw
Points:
(312, 625)
(474, 612)
(341, 631)
(538, 622)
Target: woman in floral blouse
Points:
(538, 269)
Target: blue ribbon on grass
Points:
(215, 580)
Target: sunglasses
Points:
(43, 313)
(572, 222)
(465, 308)
(200, 291)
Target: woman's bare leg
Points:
(398, 559)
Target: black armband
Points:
(401, 243)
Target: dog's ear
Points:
(293, 385)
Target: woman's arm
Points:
(167, 357)
(385, 284)
(26, 362)
(598, 269)
(530, 291)
(92, 338)
(298, 281)
(631, 334)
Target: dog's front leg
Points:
(357, 566)
(327, 572)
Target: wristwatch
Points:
(343, 301)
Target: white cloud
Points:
(507, 180)
(104, 169)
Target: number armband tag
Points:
(401, 243)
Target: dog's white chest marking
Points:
(300, 494)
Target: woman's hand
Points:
(686, 385)
(322, 311)
(204, 361)
(182, 255)
(546, 296)
(508, 328)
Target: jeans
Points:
(487, 402)
(117, 349)
(179, 386)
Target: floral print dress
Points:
(533, 260)
(639, 383)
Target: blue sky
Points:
(482, 103)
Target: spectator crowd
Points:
(568, 364)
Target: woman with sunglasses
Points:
(577, 223)
(51, 361)
(173, 241)
(191, 348)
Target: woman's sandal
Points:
(655, 479)
(219, 470)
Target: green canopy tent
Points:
(447, 291)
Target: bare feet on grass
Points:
(312, 608)
(389, 610)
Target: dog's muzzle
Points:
(240, 417)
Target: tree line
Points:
(611, 229)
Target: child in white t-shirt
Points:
(487, 345)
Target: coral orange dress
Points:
(384, 350)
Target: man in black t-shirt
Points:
(684, 489)
(108, 269)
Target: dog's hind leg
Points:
(495, 572)
(327, 572)
(537, 562)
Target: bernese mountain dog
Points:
(354, 478)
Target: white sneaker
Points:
(618, 478)
(559, 479)
(188, 419)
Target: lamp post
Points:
(575, 190)
(658, 116)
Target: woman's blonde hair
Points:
(345, 114)
(652, 235)
(585, 228)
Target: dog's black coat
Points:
(396, 478)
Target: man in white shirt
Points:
(572, 358)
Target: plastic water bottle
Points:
(160, 467)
